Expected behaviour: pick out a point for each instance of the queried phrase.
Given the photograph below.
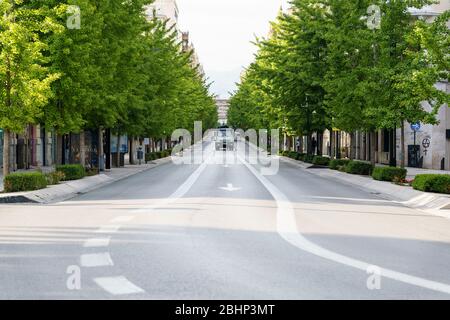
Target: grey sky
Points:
(222, 30)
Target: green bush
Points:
(321, 161)
(293, 155)
(359, 167)
(24, 181)
(336, 164)
(72, 171)
(309, 158)
(439, 183)
(389, 174)
(54, 177)
(150, 157)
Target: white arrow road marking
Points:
(96, 260)
(96, 242)
(118, 285)
(287, 229)
(230, 188)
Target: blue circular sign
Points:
(415, 126)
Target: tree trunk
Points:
(131, 150)
(101, 156)
(320, 144)
(373, 138)
(118, 149)
(402, 147)
(332, 153)
(6, 151)
(82, 148)
(338, 145)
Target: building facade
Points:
(222, 109)
(164, 10)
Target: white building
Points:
(222, 109)
(164, 10)
(433, 141)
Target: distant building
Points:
(164, 10)
(187, 46)
(222, 109)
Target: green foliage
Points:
(323, 68)
(54, 177)
(389, 174)
(116, 71)
(24, 181)
(359, 167)
(158, 155)
(72, 171)
(439, 183)
(321, 161)
(24, 74)
(336, 164)
(306, 158)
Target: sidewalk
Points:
(431, 203)
(70, 189)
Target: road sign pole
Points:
(415, 150)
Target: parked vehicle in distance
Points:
(225, 139)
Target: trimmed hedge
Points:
(54, 177)
(359, 167)
(321, 161)
(308, 158)
(24, 181)
(337, 164)
(158, 155)
(293, 155)
(389, 174)
(72, 171)
(439, 183)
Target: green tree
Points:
(27, 81)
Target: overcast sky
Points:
(222, 30)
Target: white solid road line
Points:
(96, 260)
(96, 242)
(109, 228)
(118, 285)
(287, 229)
(181, 191)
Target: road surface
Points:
(221, 230)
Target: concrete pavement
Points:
(222, 231)
(69, 189)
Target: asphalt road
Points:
(221, 230)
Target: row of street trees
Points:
(79, 64)
(349, 65)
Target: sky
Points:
(222, 31)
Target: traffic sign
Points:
(415, 126)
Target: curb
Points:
(71, 189)
(431, 203)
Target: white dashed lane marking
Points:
(96, 260)
(96, 242)
(118, 285)
(108, 229)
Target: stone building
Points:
(222, 108)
